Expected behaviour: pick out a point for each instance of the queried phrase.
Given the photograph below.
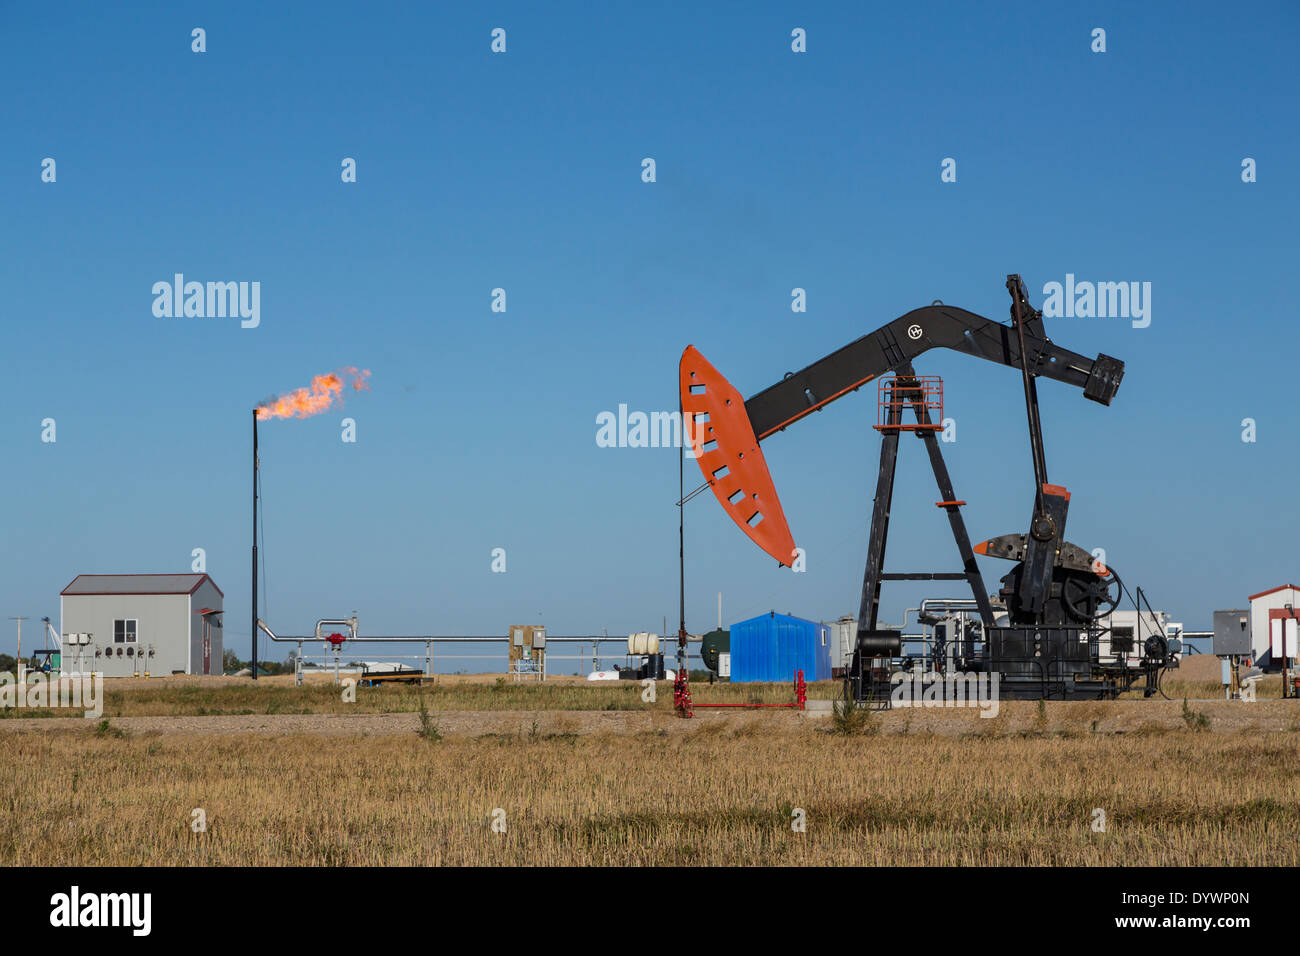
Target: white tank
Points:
(642, 643)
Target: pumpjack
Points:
(1042, 637)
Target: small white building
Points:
(160, 623)
(1272, 621)
(1126, 632)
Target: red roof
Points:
(1280, 587)
(138, 584)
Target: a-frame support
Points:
(906, 390)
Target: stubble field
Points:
(1124, 782)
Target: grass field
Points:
(199, 697)
(1202, 784)
(724, 794)
(206, 697)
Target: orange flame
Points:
(324, 393)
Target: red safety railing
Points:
(896, 396)
(682, 698)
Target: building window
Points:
(124, 631)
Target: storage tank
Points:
(772, 647)
(712, 644)
(642, 643)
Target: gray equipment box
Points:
(1232, 633)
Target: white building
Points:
(160, 623)
(1271, 622)
(1126, 632)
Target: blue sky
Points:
(522, 171)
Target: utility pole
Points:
(18, 666)
(254, 625)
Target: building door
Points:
(207, 645)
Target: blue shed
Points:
(773, 646)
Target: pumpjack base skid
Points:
(1056, 690)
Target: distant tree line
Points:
(230, 663)
(9, 663)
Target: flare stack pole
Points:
(254, 618)
(681, 544)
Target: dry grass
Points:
(227, 697)
(187, 696)
(592, 774)
(1268, 688)
(719, 792)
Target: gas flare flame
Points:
(324, 393)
